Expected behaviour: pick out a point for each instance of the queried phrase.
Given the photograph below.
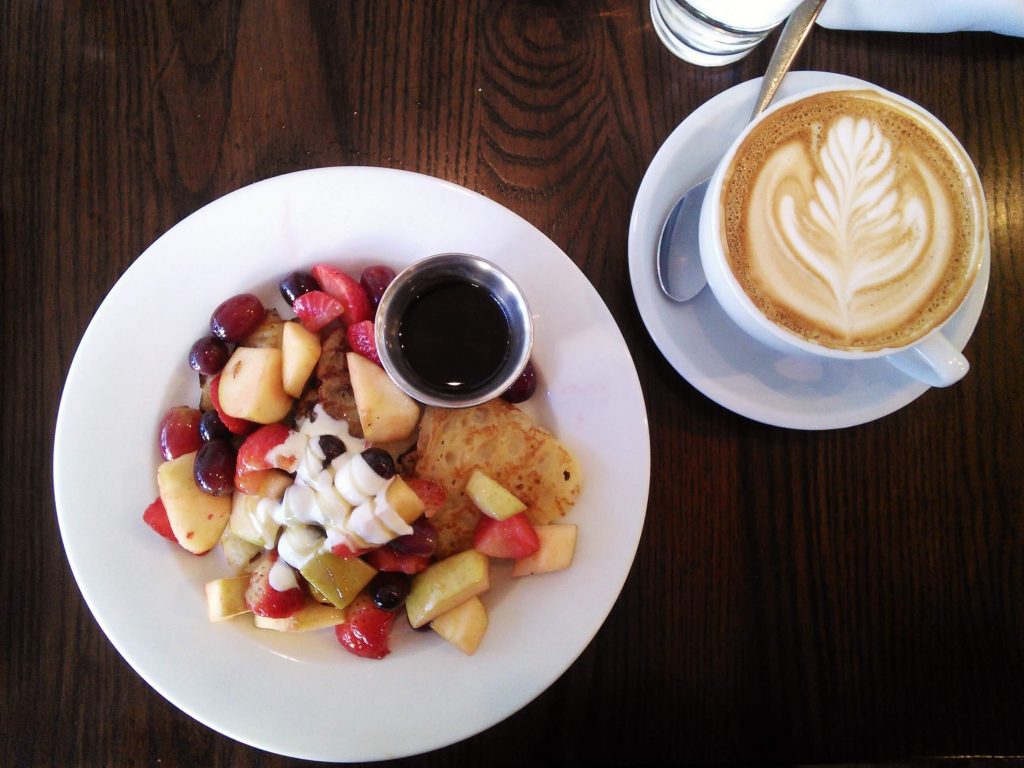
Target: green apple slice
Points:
(446, 584)
(339, 579)
(491, 497)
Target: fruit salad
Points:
(300, 463)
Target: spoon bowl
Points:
(680, 273)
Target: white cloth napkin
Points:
(1003, 16)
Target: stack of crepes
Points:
(503, 442)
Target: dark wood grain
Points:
(850, 595)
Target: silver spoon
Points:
(679, 270)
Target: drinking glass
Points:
(716, 32)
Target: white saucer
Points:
(699, 339)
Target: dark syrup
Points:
(455, 336)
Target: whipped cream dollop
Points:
(282, 576)
(343, 501)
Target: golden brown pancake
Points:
(504, 443)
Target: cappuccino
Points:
(852, 220)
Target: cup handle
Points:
(934, 361)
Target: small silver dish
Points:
(431, 273)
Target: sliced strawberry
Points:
(344, 550)
(263, 600)
(386, 559)
(234, 425)
(347, 290)
(251, 466)
(362, 340)
(366, 628)
(317, 309)
(155, 517)
(431, 494)
(513, 538)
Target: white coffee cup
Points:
(924, 354)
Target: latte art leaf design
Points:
(858, 230)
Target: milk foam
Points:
(848, 222)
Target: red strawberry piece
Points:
(263, 600)
(362, 340)
(513, 538)
(317, 309)
(344, 550)
(388, 560)
(155, 517)
(179, 432)
(431, 494)
(366, 628)
(235, 426)
(251, 466)
(347, 290)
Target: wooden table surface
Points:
(849, 595)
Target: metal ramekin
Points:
(436, 270)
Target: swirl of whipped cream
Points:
(343, 502)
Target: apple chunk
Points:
(463, 626)
(386, 413)
(445, 584)
(338, 579)
(243, 510)
(309, 617)
(404, 500)
(226, 597)
(491, 497)
(243, 525)
(237, 551)
(300, 351)
(252, 386)
(197, 519)
(557, 546)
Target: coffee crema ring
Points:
(851, 221)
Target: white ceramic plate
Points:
(701, 341)
(304, 695)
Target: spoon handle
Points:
(790, 40)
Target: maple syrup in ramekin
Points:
(454, 330)
(455, 335)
